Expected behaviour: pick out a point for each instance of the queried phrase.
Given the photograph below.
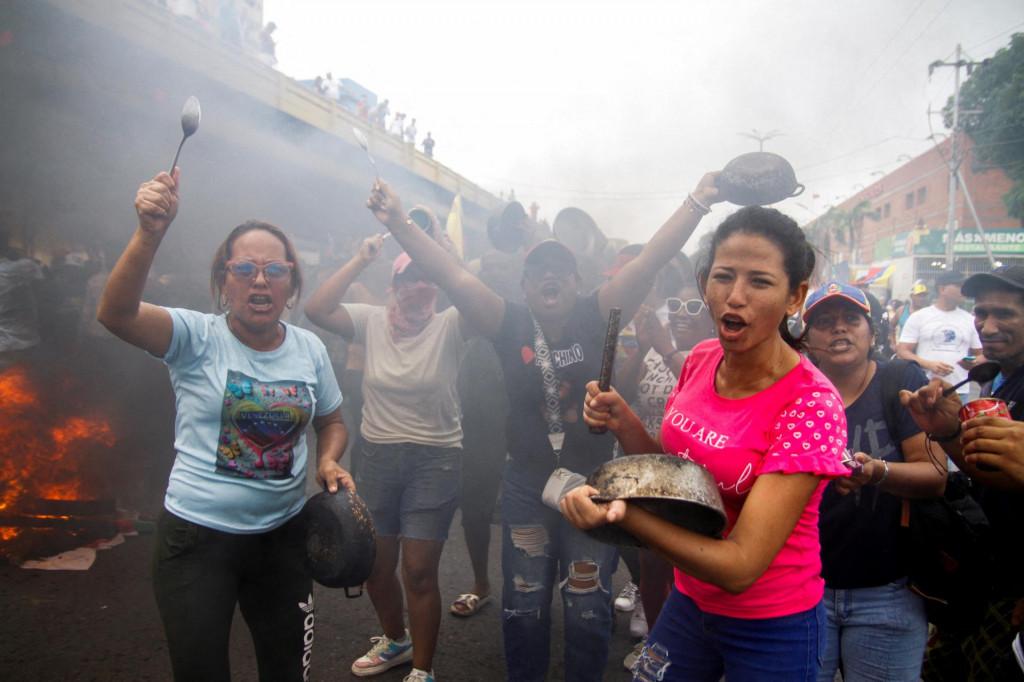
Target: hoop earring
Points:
(222, 302)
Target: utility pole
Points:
(955, 155)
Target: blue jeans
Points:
(689, 644)
(538, 547)
(878, 633)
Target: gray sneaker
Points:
(629, 662)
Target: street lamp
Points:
(761, 137)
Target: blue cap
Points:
(833, 289)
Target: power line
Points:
(892, 65)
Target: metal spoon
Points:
(190, 115)
(986, 371)
(361, 139)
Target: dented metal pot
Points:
(758, 179)
(675, 489)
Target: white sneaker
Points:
(626, 601)
(629, 662)
(385, 653)
(638, 622)
(418, 675)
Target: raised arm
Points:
(632, 283)
(324, 307)
(121, 308)
(480, 306)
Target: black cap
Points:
(948, 277)
(550, 249)
(1006, 277)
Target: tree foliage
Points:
(993, 94)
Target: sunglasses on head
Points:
(692, 307)
(274, 271)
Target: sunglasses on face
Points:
(274, 271)
(692, 307)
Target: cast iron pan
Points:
(341, 544)
(676, 489)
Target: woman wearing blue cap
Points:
(877, 627)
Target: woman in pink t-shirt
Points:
(771, 429)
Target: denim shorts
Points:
(411, 490)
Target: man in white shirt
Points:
(942, 337)
(331, 87)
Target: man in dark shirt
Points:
(991, 451)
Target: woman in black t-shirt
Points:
(877, 628)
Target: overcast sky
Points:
(619, 107)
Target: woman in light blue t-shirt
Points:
(247, 385)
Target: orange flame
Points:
(44, 448)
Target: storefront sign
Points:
(933, 242)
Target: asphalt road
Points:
(102, 624)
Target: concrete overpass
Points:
(92, 96)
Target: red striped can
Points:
(992, 407)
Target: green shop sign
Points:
(933, 242)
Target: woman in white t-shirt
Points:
(410, 444)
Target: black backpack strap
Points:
(893, 376)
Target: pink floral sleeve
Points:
(809, 435)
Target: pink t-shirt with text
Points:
(795, 425)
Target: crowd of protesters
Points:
(819, 413)
(811, 553)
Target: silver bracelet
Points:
(696, 206)
(885, 474)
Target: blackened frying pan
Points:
(341, 543)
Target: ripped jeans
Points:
(538, 547)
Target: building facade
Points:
(903, 222)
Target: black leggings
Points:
(199, 574)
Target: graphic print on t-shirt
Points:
(260, 424)
(570, 411)
(946, 338)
